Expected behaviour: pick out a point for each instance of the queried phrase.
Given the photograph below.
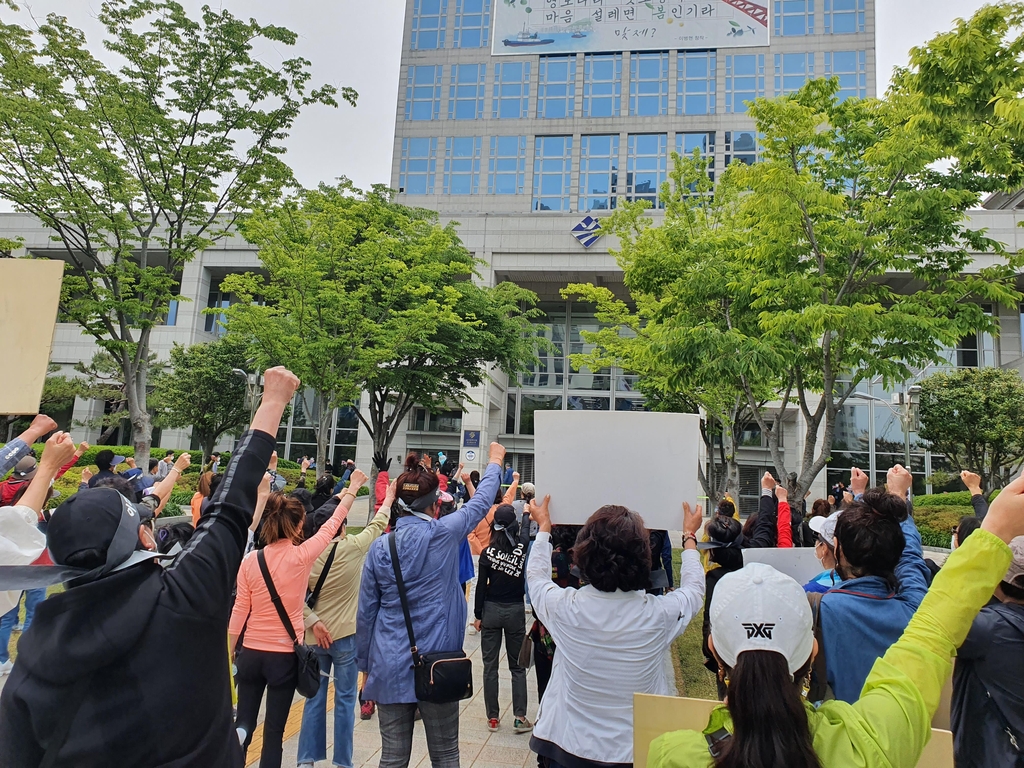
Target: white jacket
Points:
(21, 542)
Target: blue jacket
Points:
(428, 552)
(863, 617)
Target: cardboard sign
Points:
(798, 563)
(644, 461)
(29, 293)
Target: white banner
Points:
(570, 26)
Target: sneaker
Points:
(366, 710)
(472, 630)
(522, 725)
(493, 724)
(6, 667)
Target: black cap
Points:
(504, 517)
(104, 459)
(88, 520)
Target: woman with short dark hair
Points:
(613, 638)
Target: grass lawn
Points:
(692, 678)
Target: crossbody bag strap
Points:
(400, 582)
(315, 594)
(276, 598)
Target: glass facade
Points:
(599, 172)
(556, 90)
(423, 93)
(646, 166)
(506, 170)
(792, 71)
(687, 143)
(844, 17)
(697, 83)
(466, 91)
(794, 17)
(511, 90)
(472, 23)
(418, 166)
(462, 165)
(298, 437)
(429, 18)
(602, 85)
(744, 81)
(741, 146)
(552, 169)
(851, 67)
(648, 84)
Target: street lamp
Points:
(253, 389)
(905, 412)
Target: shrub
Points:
(954, 499)
(936, 523)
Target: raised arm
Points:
(545, 595)
(81, 449)
(510, 494)
(466, 518)
(467, 481)
(978, 500)
(687, 600)
(162, 490)
(19, 447)
(911, 571)
(783, 520)
(310, 550)
(58, 448)
(764, 534)
(205, 570)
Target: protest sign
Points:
(29, 292)
(798, 563)
(644, 461)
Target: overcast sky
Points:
(358, 43)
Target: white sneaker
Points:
(6, 667)
(472, 630)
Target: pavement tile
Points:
(503, 755)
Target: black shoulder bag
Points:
(441, 677)
(307, 681)
(315, 594)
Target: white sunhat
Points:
(759, 609)
(825, 527)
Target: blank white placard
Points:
(644, 461)
(798, 563)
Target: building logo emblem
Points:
(587, 231)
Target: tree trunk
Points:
(323, 431)
(136, 379)
(207, 443)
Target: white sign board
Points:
(798, 563)
(644, 461)
(571, 26)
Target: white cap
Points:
(825, 527)
(759, 609)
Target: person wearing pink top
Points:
(266, 660)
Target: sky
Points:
(358, 43)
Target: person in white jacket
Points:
(611, 635)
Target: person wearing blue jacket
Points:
(428, 553)
(885, 578)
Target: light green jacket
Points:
(890, 724)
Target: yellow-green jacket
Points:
(890, 724)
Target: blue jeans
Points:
(33, 597)
(313, 736)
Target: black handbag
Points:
(307, 681)
(441, 677)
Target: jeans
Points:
(441, 723)
(275, 673)
(508, 619)
(313, 736)
(33, 597)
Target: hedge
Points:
(953, 499)
(936, 523)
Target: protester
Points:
(767, 722)
(566, 575)
(214, 463)
(987, 712)
(480, 537)
(724, 542)
(725, 508)
(508, 476)
(661, 564)
(825, 551)
(501, 613)
(330, 620)
(25, 470)
(612, 637)
(427, 551)
(266, 660)
(879, 557)
(323, 491)
(201, 496)
(164, 467)
(978, 500)
(107, 462)
(130, 659)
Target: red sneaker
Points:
(493, 724)
(366, 710)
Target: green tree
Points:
(364, 294)
(59, 392)
(136, 169)
(200, 391)
(976, 418)
(102, 378)
(782, 290)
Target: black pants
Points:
(275, 673)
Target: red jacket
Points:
(9, 488)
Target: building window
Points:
(507, 166)
(744, 81)
(844, 17)
(698, 83)
(551, 169)
(472, 23)
(599, 172)
(648, 84)
(215, 323)
(851, 67)
(447, 422)
(687, 143)
(602, 85)
(794, 17)
(792, 71)
(512, 90)
(556, 92)
(740, 146)
(462, 165)
(646, 166)
(423, 93)
(418, 166)
(429, 18)
(466, 92)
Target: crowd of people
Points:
(168, 641)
